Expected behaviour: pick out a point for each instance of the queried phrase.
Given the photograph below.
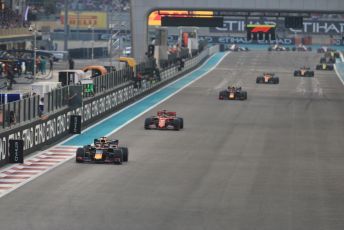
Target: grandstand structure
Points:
(14, 32)
(119, 27)
(47, 15)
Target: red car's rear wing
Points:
(166, 113)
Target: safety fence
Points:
(37, 132)
(31, 107)
(18, 112)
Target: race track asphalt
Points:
(272, 162)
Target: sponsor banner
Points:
(337, 42)
(40, 133)
(236, 40)
(75, 124)
(16, 151)
(154, 18)
(309, 26)
(85, 19)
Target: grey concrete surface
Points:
(272, 162)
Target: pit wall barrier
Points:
(40, 133)
(339, 68)
(20, 112)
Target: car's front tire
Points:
(176, 124)
(148, 122)
(181, 122)
(80, 153)
(243, 95)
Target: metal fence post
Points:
(3, 115)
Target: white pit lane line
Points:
(14, 176)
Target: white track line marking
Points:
(337, 73)
(15, 176)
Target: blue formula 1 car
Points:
(233, 93)
(102, 151)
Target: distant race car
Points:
(102, 151)
(304, 72)
(267, 78)
(278, 48)
(324, 67)
(233, 93)
(302, 48)
(237, 48)
(332, 54)
(325, 49)
(164, 120)
(327, 60)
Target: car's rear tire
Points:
(243, 95)
(276, 80)
(125, 152)
(222, 95)
(80, 152)
(181, 122)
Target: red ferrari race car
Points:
(164, 120)
(102, 151)
(233, 93)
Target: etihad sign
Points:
(309, 26)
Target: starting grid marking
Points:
(14, 176)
